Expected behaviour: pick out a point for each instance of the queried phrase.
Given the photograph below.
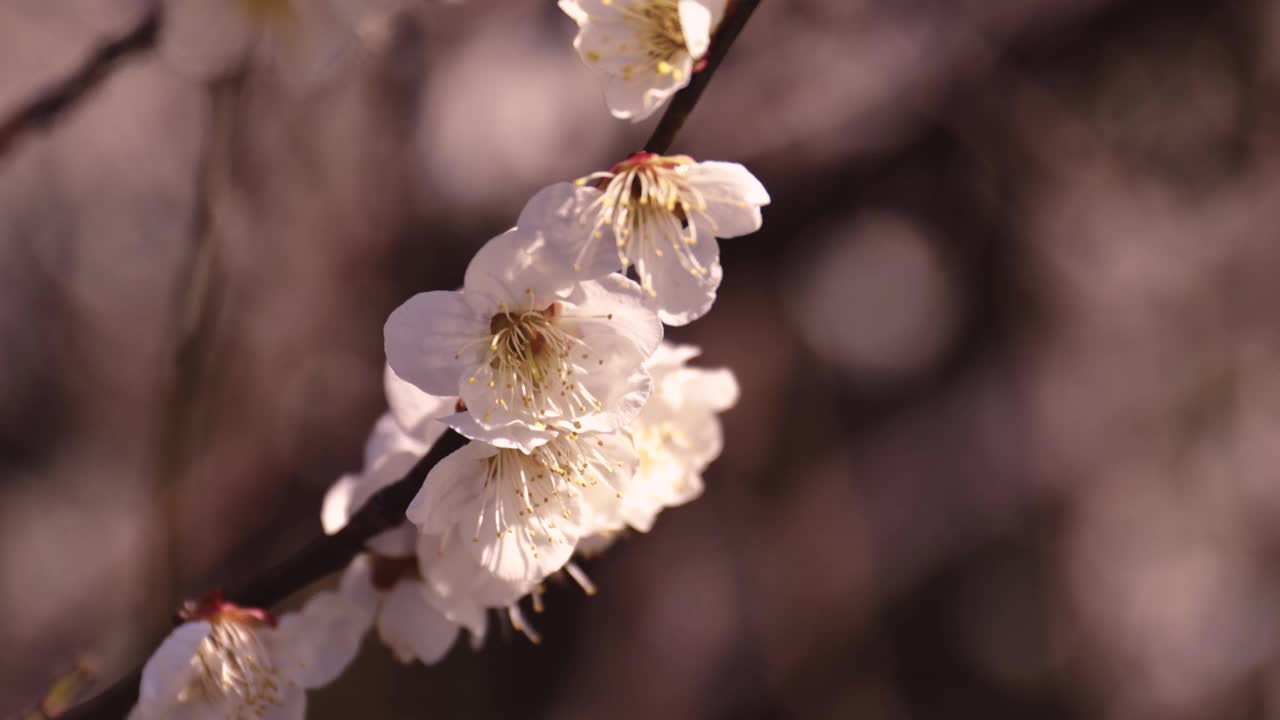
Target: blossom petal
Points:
(681, 297)
(637, 99)
(291, 705)
(389, 438)
(168, 671)
(336, 509)
(734, 197)
(414, 410)
(451, 577)
(615, 306)
(513, 434)
(512, 559)
(695, 24)
(356, 584)
(426, 336)
(317, 643)
(505, 267)
(557, 215)
(411, 627)
(452, 485)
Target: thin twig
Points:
(329, 554)
(664, 135)
(45, 109)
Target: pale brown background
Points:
(1008, 345)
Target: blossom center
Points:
(530, 357)
(535, 494)
(658, 22)
(232, 665)
(649, 203)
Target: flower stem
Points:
(682, 105)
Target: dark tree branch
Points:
(319, 559)
(329, 554)
(51, 104)
(683, 103)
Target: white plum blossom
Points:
(301, 39)
(527, 348)
(660, 214)
(232, 662)
(520, 514)
(677, 435)
(646, 50)
(411, 619)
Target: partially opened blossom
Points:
(646, 50)
(400, 607)
(526, 347)
(231, 662)
(520, 514)
(386, 582)
(677, 435)
(302, 39)
(658, 214)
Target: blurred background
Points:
(1008, 344)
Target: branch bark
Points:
(329, 554)
(50, 105)
(682, 105)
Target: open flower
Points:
(518, 513)
(660, 214)
(645, 49)
(230, 662)
(526, 347)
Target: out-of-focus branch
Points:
(46, 108)
(318, 559)
(682, 105)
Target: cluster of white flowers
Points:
(582, 422)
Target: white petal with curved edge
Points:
(638, 98)
(734, 197)
(670, 356)
(456, 585)
(336, 508)
(168, 671)
(573, 10)
(515, 434)
(386, 439)
(680, 297)
(511, 559)
(356, 584)
(425, 336)
(695, 25)
(411, 627)
(557, 215)
(454, 484)
(414, 410)
(615, 305)
(317, 643)
(504, 268)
